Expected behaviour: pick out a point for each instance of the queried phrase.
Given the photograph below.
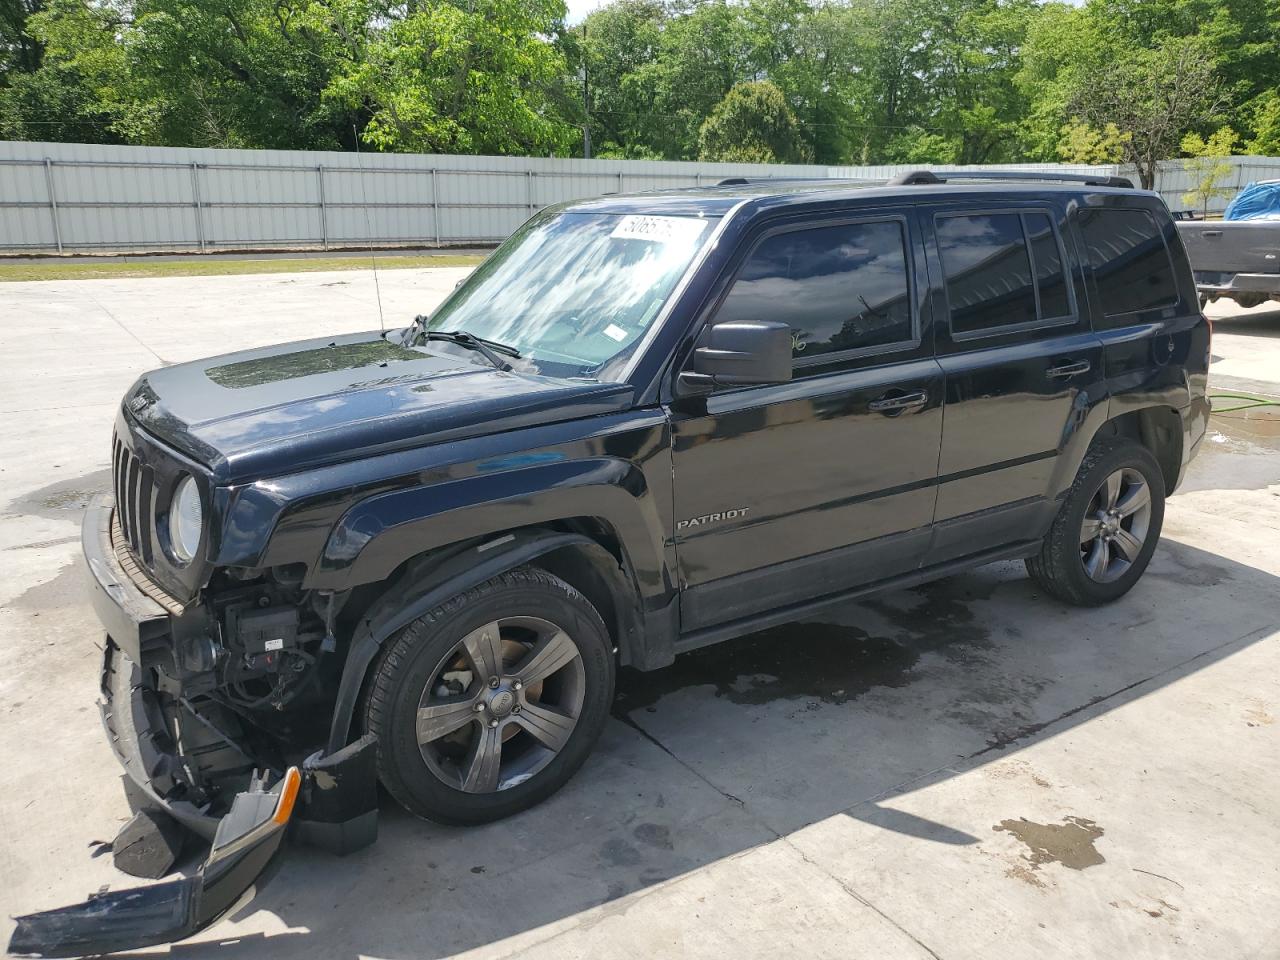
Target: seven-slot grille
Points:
(134, 484)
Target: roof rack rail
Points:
(917, 177)
(834, 181)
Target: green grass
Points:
(218, 267)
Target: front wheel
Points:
(489, 703)
(1107, 528)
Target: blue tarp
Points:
(1257, 201)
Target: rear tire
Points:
(1107, 528)
(489, 703)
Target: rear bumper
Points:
(1215, 284)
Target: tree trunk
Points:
(1147, 176)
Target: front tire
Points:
(489, 703)
(1107, 528)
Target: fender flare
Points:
(379, 533)
(1102, 421)
(442, 575)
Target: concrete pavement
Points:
(963, 770)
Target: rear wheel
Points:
(1107, 528)
(489, 703)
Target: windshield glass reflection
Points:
(574, 293)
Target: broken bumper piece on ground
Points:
(247, 839)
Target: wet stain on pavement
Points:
(826, 662)
(65, 588)
(1070, 843)
(821, 661)
(654, 835)
(1237, 453)
(64, 500)
(1184, 565)
(617, 852)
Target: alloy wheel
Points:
(1115, 525)
(501, 705)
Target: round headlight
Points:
(186, 520)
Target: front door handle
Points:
(894, 405)
(1072, 369)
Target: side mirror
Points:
(739, 353)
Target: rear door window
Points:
(1131, 263)
(1002, 270)
(1051, 279)
(840, 288)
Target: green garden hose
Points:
(1251, 402)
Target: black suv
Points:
(645, 424)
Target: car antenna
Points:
(368, 229)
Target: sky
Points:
(578, 9)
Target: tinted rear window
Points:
(1131, 263)
(1002, 270)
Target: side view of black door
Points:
(1023, 369)
(791, 491)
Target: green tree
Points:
(1082, 143)
(752, 124)
(239, 73)
(811, 52)
(865, 81)
(977, 54)
(892, 101)
(620, 40)
(20, 52)
(59, 88)
(702, 54)
(469, 77)
(1155, 96)
(1264, 122)
(1208, 166)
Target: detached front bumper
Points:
(246, 840)
(330, 801)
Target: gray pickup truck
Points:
(1236, 259)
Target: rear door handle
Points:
(1072, 369)
(907, 401)
(1210, 233)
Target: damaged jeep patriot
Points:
(644, 424)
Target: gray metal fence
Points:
(59, 198)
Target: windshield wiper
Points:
(489, 349)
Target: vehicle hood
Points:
(290, 407)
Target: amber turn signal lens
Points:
(288, 795)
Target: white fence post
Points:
(435, 203)
(195, 199)
(324, 219)
(53, 202)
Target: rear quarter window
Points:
(1131, 264)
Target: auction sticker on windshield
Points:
(659, 229)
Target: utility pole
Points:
(586, 100)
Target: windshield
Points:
(574, 293)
